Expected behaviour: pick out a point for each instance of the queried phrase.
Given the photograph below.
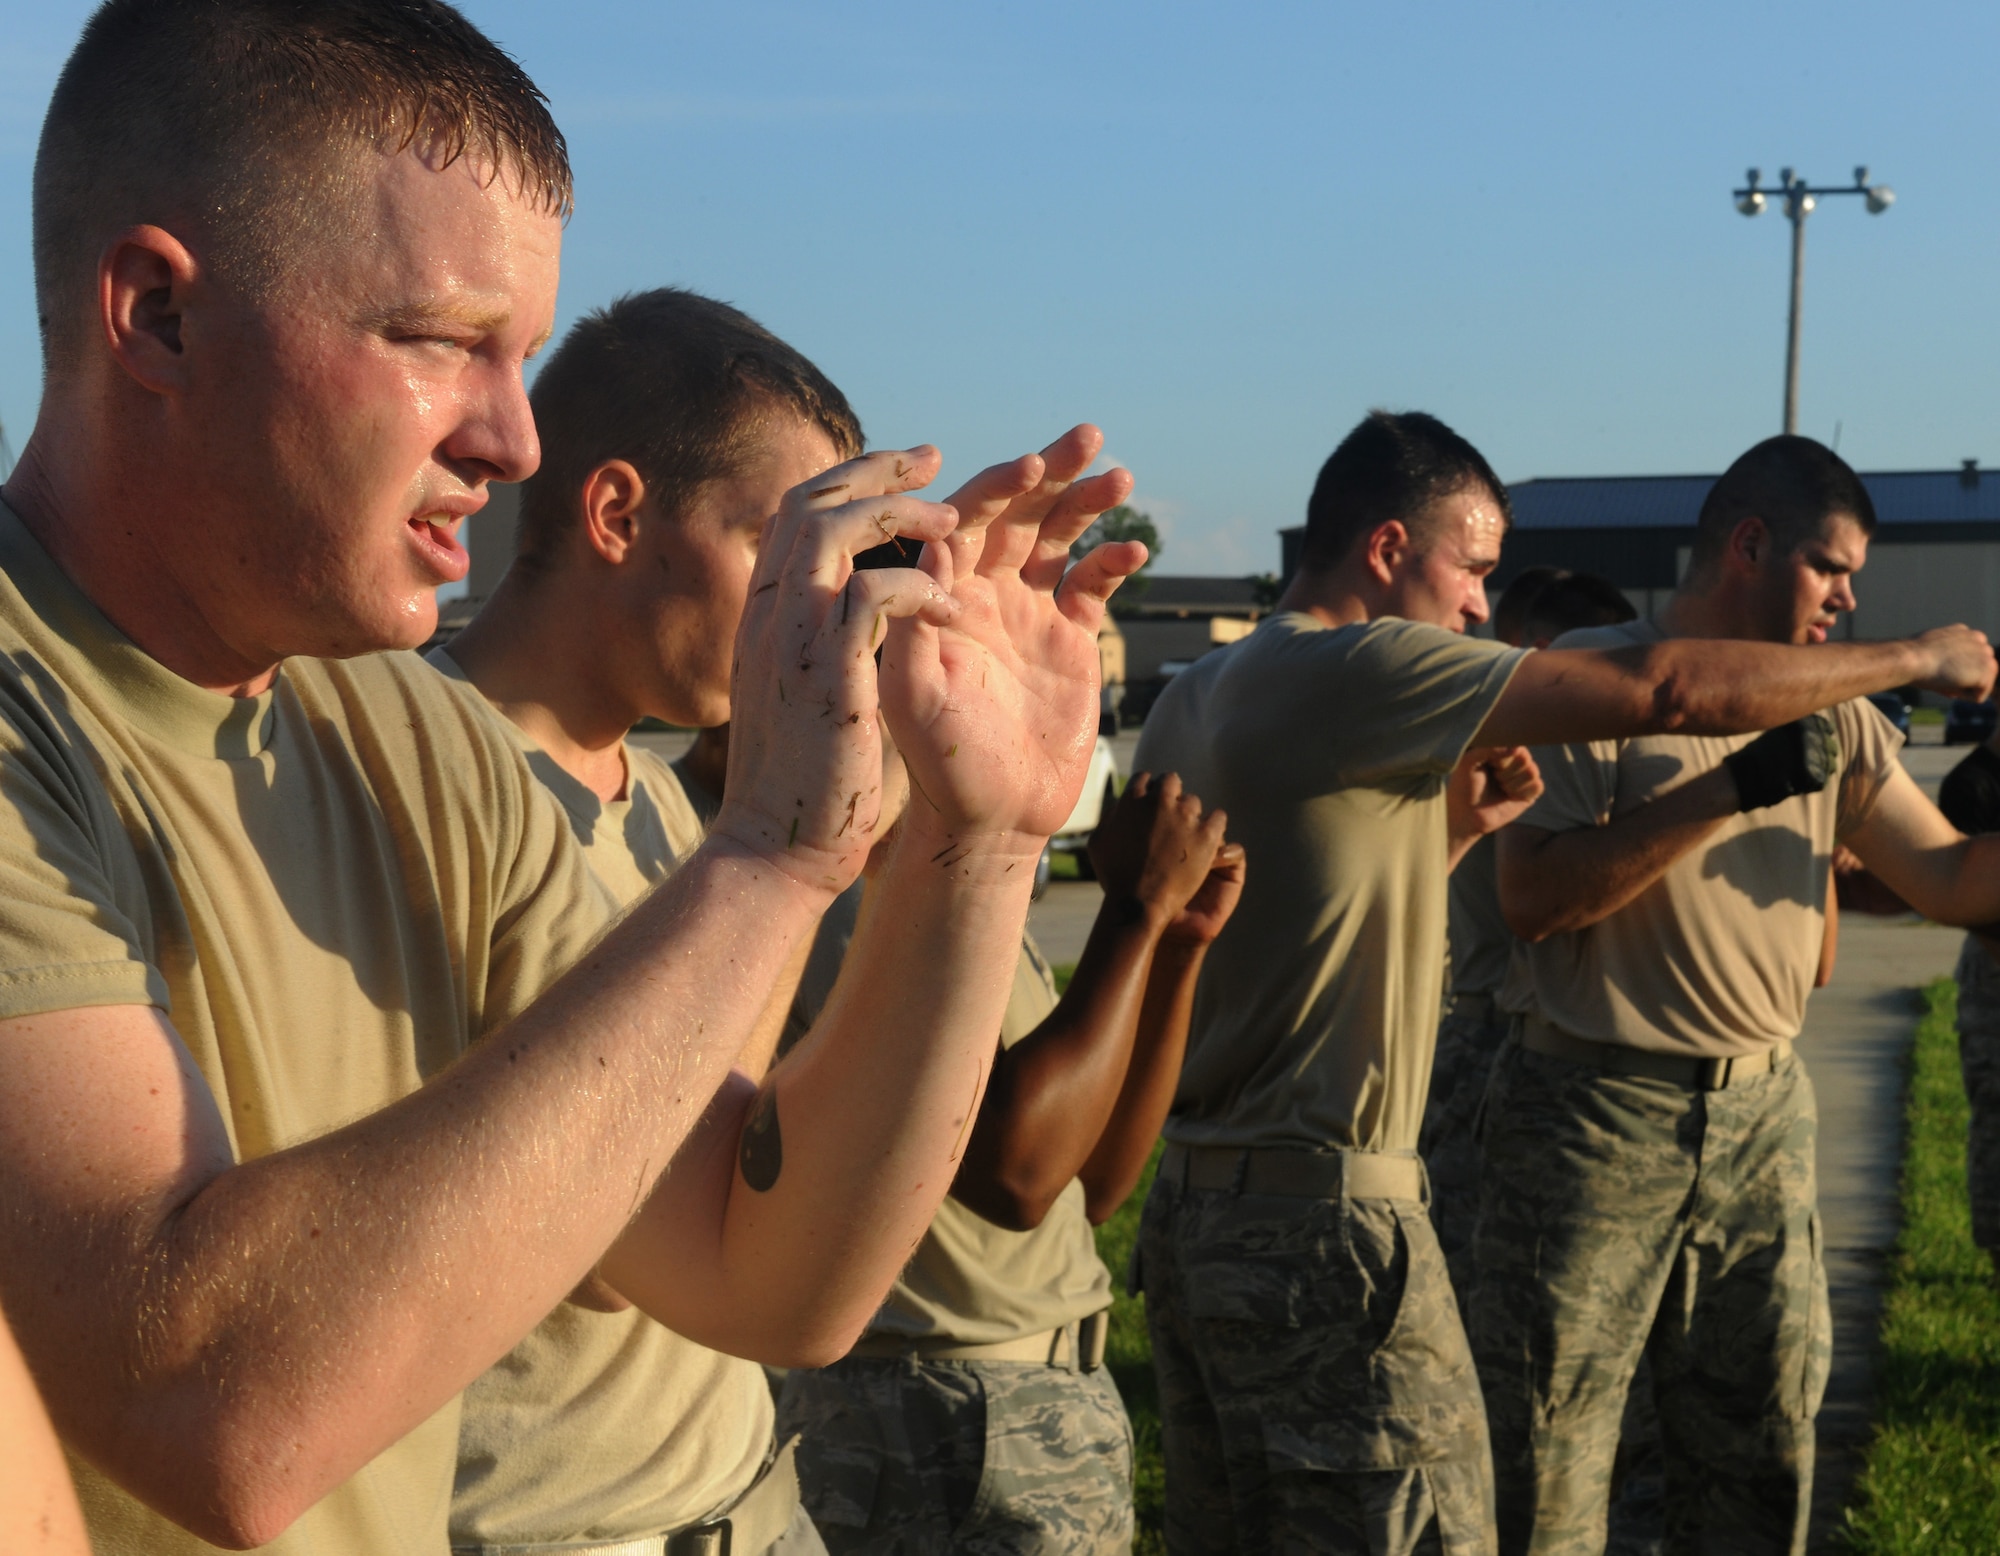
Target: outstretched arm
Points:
(1700, 686)
(1054, 1090)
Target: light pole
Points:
(1800, 198)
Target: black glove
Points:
(1795, 758)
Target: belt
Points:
(1538, 1037)
(753, 1523)
(1296, 1174)
(1079, 1345)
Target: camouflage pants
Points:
(1623, 1215)
(1316, 1392)
(1979, 1060)
(1468, 1038)
(901, 1457)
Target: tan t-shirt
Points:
(1715, 959)
(1480, 940)
(632, 844)
(974, 1283)
(330, 889)
(1316, 1016)
(608, 1426)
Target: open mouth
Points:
(436, 536)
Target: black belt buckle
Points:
(1713, 1074)
(703, 1540)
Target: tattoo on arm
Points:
(763, 1153)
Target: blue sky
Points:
(1224, 232)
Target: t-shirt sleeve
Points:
(1970, 793)
(1869, 747)
(1399, 697)
(69, 886)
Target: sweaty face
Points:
(696, 569)
(1806, 588)
(1455, 545)
(355, 416)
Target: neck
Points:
(540, 657)
(78, 509)
(1700, 611)
(1336, 598)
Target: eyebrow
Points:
(415, 318)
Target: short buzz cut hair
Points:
(1394, 465)
(1793, 484)
(234, 115)
(680, 385)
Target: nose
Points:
(1842, 598)
(496, 434)
(1475, 603)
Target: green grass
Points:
(1926, 715)
(1931, 1483)
(1129, 1353)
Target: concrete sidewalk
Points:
(1857, 1033)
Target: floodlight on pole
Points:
(1801, 199)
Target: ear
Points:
(613, 495)
(144, 279)
(1385, 550)
(1749, 542)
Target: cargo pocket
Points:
(1318, 1506)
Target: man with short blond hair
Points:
(303, 1124)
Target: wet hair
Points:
(1791, 483)
(234, 123)
(680, 385)
(1510, 615)
(1392, 466)
(1572, 602)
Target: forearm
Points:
(1555, 882)
(1690, 686)
(1052, 1092)
(427, 1238)
(1113, 1170)
(851, 1143)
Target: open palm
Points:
(995, 711)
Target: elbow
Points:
(1670, 701)
(1532, 925)
(1012, 1202)
(222, 1486)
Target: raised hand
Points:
(1214, 900)
(805, 757)
(1156, 847)
(996, 709)
(1962, 663)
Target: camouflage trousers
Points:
(1316, 1392)
(1979, 1061)
(906, 1457)
(1468, 1038)
(1624, 1215)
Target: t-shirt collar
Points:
(187, 717)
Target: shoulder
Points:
(1867, 738)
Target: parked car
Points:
(1100, 793)
(1894, 709)
(1968, 723)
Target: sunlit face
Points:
(352, 420)
(695, 570)
(1803, 591)
(1455, 545)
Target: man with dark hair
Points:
(679, 424)
(1316, 1387)
(1648, 1137)
(1480, 944)
(305, 1125)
